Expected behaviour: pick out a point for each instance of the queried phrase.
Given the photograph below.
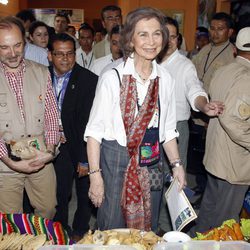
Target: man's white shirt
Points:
(101, 63)
(85, 60)
(187, 84)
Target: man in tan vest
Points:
(219, 52)
(29, 127)
(227, 154)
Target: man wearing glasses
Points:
(74, 88)
(111, 16)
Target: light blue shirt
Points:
(36, 54)
(60, 84)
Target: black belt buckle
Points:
(10, 155)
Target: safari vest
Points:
(12, 126)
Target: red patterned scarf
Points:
(136, 202)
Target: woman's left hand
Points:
(179, 173)
(96, 189)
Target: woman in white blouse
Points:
(129, 121)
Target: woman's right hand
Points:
(179, 173)
(96, 189)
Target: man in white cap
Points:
(227, 154)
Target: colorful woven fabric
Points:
(32, 224)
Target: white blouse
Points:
(105, 121)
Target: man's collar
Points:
(129, 68)
(20, 68)
(169, 57)
(221, 45)
(107, 38)
(61, 76)
(244, 60)
(89, 53)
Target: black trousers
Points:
(65, 174)
(221, 201)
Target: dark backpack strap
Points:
(118, 76)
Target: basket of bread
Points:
(139, 240)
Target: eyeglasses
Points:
(172, 37)
(113, 18)
(59, 54)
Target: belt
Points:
(10, 155)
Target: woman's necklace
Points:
(143, 78)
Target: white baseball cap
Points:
(243, 39)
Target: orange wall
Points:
(92, 8)
(10, 9)
(223, 5)
(190, 8)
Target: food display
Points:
(16, 241)
(138, 239)
(229, 231)
(30, 232)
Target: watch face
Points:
(176, 164)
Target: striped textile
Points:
(32, 224)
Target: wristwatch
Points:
(176, 163)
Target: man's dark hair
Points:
(51, 31)
(37, 24)
(243, 22)
(111, 8)
(61, 37)
(224, 17)
(9, 21)
(71, 26)
(116, 30)
(62, 15)
(201, 32)
(202, 29)
(171, 21)
(86, 26)
(26, 15)
(179, 41)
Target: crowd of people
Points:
(112, 114)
